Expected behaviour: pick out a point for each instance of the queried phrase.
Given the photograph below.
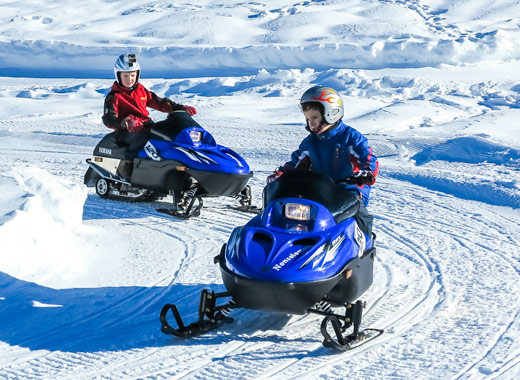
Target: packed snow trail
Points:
(435, 288)
(433, 84)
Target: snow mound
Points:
(471, 150)
(39, 230)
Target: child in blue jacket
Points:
(335, 149)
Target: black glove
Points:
(360, 178)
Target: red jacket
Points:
(122, 101)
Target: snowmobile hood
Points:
(273, 248)
(195, 148)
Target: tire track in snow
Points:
(496, 358)
(149, 219)
(497, 238)
(211, 229)
(146, 219)
(132, 298)
(132, 305)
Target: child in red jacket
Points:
(126, 111)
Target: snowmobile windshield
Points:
(173, 125)
(314, 186)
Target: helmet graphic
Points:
(125, 63)
(329, 99)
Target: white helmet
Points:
(126, 63)
(328, 98)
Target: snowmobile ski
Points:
(340, 324)
(189, 212)
(248, 209)
(210, 316)
(245, 199)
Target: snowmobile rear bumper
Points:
(95, 172)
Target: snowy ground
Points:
(434, 85)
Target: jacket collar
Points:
(119, 88)
(334, 131)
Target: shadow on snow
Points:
(113, 318)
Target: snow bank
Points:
(472, 150)
(61, 59)
(40, 225)
(187, 40)
(494, 187)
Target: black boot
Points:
(124, 169)
(364, 220)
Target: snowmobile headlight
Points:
(196, 136)
(296, 211)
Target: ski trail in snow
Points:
(480, 367)
(496, 347)
(427, 302)
(417, 287)
(289, 366)
(148, 220)
(441, 289)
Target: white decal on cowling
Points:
(360, 240)
(206, 157)
(236, 159)
(280, 265)
(151, 151)
(319, 251)
(196, 156)
(333, 250)
(105, 150)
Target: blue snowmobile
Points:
(303, 254)
(181, 160)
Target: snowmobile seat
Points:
(316, 187)
(108, 147)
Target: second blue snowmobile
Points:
(305, 253)
(182, 160)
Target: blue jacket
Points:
(338, 153)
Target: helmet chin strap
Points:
(323, 122)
